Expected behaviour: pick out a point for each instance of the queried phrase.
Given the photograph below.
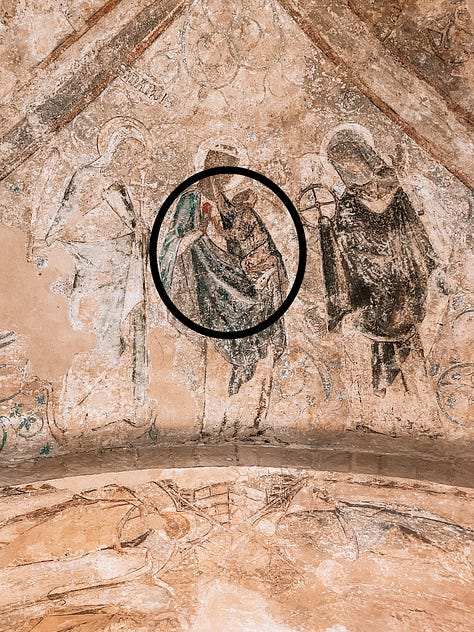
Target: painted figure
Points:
(229, 282)
(377, 258)
(100, 227)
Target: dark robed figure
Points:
(377, 258)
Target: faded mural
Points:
(379, 339)
(228, 287)
(362, 113)
(377, 258)
(271, 550)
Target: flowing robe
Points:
(96, 223)
(210, 286)
(378, 265)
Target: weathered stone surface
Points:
(92, 359)
(360, 396)
(236, 549)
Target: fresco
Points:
(377, 258)
(359, 114)
(377, 343)
(232, 282)
(206, 549)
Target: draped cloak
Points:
(378, 265)
(210, 287)
(104, 246)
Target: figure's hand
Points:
(327, 211)
(206, 216)
(263, 279)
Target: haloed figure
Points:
(97, 223)
(377, 258)
(222, 268)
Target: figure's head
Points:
(126, 148)
(244, 199)
(359, 166)
(216, 158)
(129, 152)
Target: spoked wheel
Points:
(310, 202)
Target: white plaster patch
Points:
(331, 574)
(234, 609)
